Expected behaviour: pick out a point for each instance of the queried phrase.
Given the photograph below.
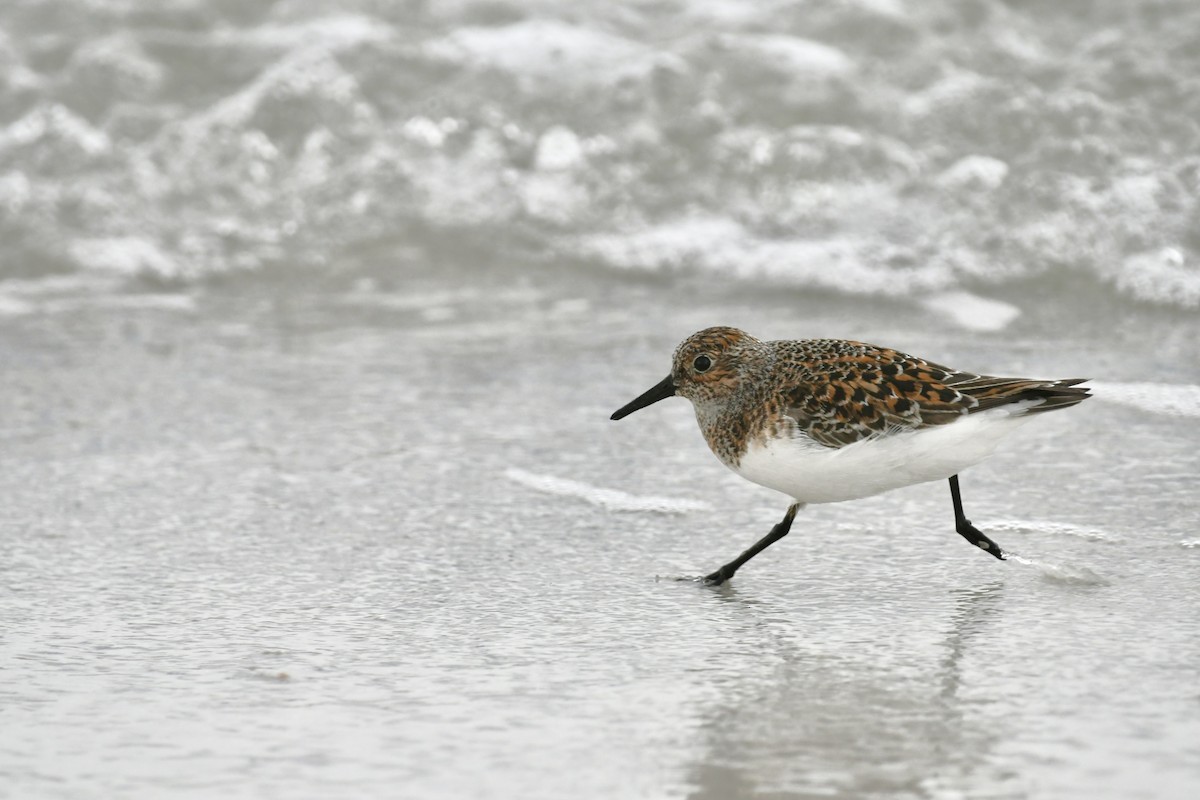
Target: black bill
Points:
(661, 391)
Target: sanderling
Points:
(825, 420)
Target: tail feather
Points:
(996, 392)
(1061, 394)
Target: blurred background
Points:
(863, 146)
(312, 315)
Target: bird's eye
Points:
(702, 364)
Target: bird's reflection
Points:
(973, 608)
(844, 717)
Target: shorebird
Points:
(826, 420)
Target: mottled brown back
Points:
(841, 392)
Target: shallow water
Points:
(382, 540)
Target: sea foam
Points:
(606, 498)
(1172, 399)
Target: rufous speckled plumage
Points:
(825, 420)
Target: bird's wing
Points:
(843, 392)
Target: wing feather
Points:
(843, 392)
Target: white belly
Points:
(813, 473)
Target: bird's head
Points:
(707, 366)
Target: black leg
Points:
(777, 533)
(966, 529)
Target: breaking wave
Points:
(192, 140)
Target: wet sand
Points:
(372, 539)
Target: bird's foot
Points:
(979, 538)
(719, 577)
